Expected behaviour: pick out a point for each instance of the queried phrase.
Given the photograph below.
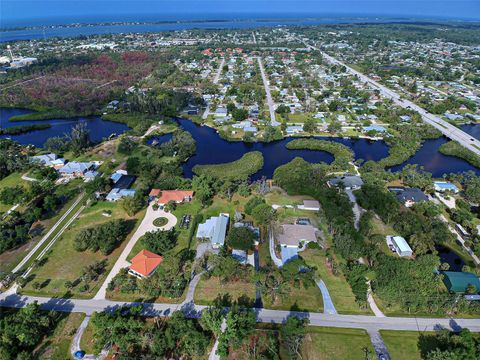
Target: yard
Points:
(57, 345)
(338, 287)
(9, 259)
(299, 299)
(63, 263)
(209, 289)
(323, 343)
(11, 180)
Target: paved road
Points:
(219, 71)
(378, 344)
(215, 81)
(271, 108)
(213, 354)
(32, 252)
(373, 304)
(370, 323)
(357, 210)
(328, 307)
(145, 226)
(460, 240)
(271, 245)
(450, 131)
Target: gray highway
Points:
(447, 129)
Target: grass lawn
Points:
(65, 263)
(410, 344)
(299, 299)
(280, 197)
(137, 297)
(11, 180)
(57, 345)
(338, 287)
(9, 259)
(323, 343)
(209, 289)
(86, 342)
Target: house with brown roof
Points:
(165, 196)
(144, 264)
(293, 238)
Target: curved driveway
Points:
(145, 226)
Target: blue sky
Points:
(19, 11)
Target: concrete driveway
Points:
(145, 226)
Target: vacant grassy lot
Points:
(209, 289)
(64, 263)
(338, 287)
(299, 299)
(57, 345)
(340, 344)
(10, 259)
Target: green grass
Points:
(87, 340)
(322, 343)
(239, 169)
(9, 259)
(65, 263)
(161, 221)
(11, 180)
(299, 299)
(57, 345)
(208, 290)
(338, 287)
(279, 197)
(405, 344)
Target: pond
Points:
(212, 149)
(448, 256)
(99, 128)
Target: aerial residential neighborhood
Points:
(214, 185)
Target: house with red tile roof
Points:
(164, 196)
(144, 264)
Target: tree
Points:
(241, 238)
(133, 204)
(310, 125)
(203, 187)
(272, 133)
(334, 127)
(292, 334)
(23, 330)
(263, 214)
(239, 114)
(239, 325)
(160, 241)
(12, 195)
(252, 203)
(79, 138)
(126, 145)
(179, 338)
(211, 319)
(283, 109)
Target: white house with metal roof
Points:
(214, 229)
(400, 245)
